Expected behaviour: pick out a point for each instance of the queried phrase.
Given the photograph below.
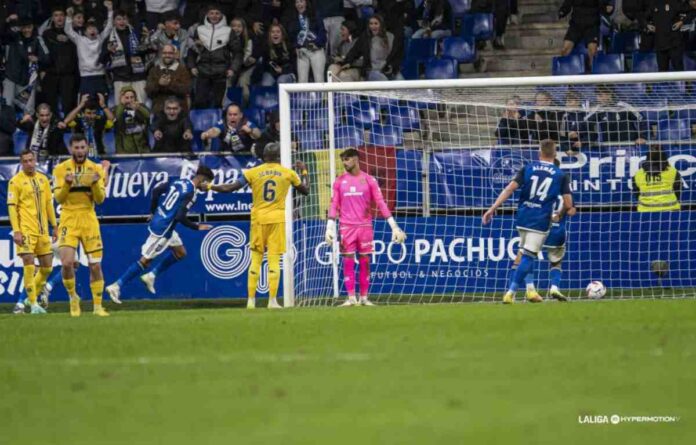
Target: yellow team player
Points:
(78, 186)
(270, 183)
(30, 206)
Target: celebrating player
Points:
(354, 194)
(166, 210)
(270, 183)
(542, 183)
(78, 186)
(30, 206)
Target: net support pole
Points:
(286, 161)
(332, 177)
(425, 177)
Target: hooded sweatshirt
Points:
(219, 50)
(88, 50)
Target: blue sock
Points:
(133, 271)
(525, 267)
(529, 279)
(22, 296)
(55, 278)
(165, 264)
(556, 277)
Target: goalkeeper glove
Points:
(398, 235)
(330, 236)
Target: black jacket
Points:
(219, 50)
(7, 129)
(124, 73)
(17, 56)
(62, 53)
(55, 144)
(585, 12)
(662, 14)
(362, 49)
(172, 134)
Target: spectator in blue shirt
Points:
(235, 132)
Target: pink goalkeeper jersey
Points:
(353, 197)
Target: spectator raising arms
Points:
(91, 118)
(279, 58)
(124, 56)
(172, 129)
(92, 73)
(235, 131)
(45, 133)
(131, 122)
(306, 31)
(168, 77)
(215, 58)
(379, 50)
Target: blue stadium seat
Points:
(234, 95)
(625, 42)
(20, 141)
(644, 62)
(318, 119)
(421, 49)
(204, 119)
(608, 64)
(461, 49)
(263, 97)
(568, 65)
(348, 136)
(409, 69)
(478, 25)
(257, 116)
(657, 110)
(405, 118)
(669, 89)
(363, 114)
(689, 62)
(459, 8)
(580, 48)
(632, 93)
(306, 101)
(674, 130)
(444, 68)
(110, 142)
(311, 139)
(385, 136)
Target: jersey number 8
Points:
(269, 192)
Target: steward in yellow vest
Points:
(657, 184)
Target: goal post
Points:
(442, 150)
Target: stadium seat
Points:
(644, 62)
(311, 139)
(459, 8)
(257, 116)
(306, 101)
(461, 49)
(363, 114)
(234, 95)
(674, 130)
(318, 119)
(657, 110)
(444, 68)
(608, 64)
(624, 42)
(385, 136)
(110, 142)
(580, 48)
(479, 26)
(405, 118)
(421, 49)
(348, 136)
(568, 65)
(689, 62)
(633, 93)
(20, 141)
(668, 89)
(264, 98)
(202, 120)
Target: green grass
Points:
(472, 373)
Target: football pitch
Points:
(421, 374)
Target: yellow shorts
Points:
(81, 227)
(38, 245)
(268, 236)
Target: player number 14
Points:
(540, 190)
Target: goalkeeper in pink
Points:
(354, 194)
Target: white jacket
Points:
(88, 50)
(160, 6)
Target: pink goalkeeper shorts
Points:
(356, 239)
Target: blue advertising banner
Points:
(131, 181)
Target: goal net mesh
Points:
(442, 156)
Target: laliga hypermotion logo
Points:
(224, 252)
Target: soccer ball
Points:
(596, 290)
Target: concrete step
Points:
(537, 7)
(517, 60)
(545, 17)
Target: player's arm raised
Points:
(398, 235)
(504, 196)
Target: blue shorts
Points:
(556, 238)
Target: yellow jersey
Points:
(30, 204)
(83, 193)
(270, 183)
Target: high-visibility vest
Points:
(657, 195)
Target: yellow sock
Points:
(69, 284)
(97, 288)
(254, 270)
(273, 275)
(29, 283)
(41, 277)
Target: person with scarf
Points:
(235, 131)
(25, 53)
(214, 60)
(278, 59)
(306, 30)
(91, 118)
(88, 44)
(60, 84)
(171, 33)
(131, 123)
(45, 133)
(123, 54)
(168, 77)
(172, 129)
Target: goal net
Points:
(442, 151)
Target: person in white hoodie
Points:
(92, 72)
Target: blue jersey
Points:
(557, 234)
(541, 183)
(169, 206)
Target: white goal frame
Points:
(286, 89)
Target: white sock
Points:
(530, 286)
(554, 288)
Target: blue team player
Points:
(170, 204)
(542, 182)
